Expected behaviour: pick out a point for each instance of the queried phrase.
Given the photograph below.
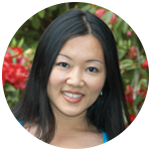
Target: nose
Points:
(75, 78)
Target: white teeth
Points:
(73, 95)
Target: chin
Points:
(73, 113)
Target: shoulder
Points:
(9, 131)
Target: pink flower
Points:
(113, 19)
(132, 52)
(128, 33)
(145, 64)
(129, 94)
(100, 12)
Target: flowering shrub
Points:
(132, 58)
(15, 71)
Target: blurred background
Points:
(20, 53)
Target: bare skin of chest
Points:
(78, 140)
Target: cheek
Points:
(55, 78)
(96, 84)
(54, 84)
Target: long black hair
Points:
(108, 111)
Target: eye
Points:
(92, 69)
(63, 64)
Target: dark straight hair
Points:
(108, 111)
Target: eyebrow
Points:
(85, 61)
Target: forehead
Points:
(85, 46)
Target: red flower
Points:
(21, 75)
(129, 99)
(8, 57)
(129, 94)
(5, 71)
(129, 89)
(113, 19)
(145, 64)
(14, 74)
(129, 33)
(142, 91)
(19, 85)
(3, 108)
(135, 120)
(99, 12)
(20, 60)
(18, 50)
(132, 52)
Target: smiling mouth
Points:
(72, 98)
(73, 95)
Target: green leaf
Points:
(92, 10)
(85, 8)
(124, 27)
(138, 100)
(13, 42)
(40, 10)
(121, 53)
(144, 82)
(21, 42)
(107, 16)
(141, 70)
(36, 22)
(128, 61)
(23, 6)
(28, 15)
(118, 23)
(132, 68)
(11, 52)
(9, 87)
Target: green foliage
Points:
(27, 19)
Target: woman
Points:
(74, 97)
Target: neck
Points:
(70, 124)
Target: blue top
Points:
(10, 130)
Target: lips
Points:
(72, 100)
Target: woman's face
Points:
(77, 76)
